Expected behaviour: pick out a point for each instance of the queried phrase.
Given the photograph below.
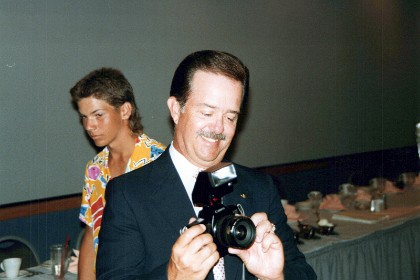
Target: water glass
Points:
(60, 259)
(347, 193)
(378, 184)
(315, 198)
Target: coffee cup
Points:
(11, 266)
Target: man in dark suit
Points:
(146, 208)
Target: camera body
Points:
(227, 224)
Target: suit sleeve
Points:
(121, 248)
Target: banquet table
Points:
(366, 245)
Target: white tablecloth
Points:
(386, 250)
(45, 273)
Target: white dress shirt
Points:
(187, 171)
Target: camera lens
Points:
(240, 232)
(235, 231)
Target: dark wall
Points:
(296, 180)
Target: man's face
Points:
(101, 121)
(205, 126)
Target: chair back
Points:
(17, 247)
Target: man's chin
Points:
(99, 144)
(211, 159)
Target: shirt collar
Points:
(182, 165)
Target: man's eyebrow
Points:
(91, 113)
(234, 112)
(206, 105)
(214, 107)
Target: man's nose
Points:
(89, 124)
(218, 124)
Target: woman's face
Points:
(101, 121)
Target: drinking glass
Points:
(60, 259)
(406, 180)
(347, 193)
(315, 198)
(378, 184)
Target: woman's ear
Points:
(125, 110)
(174, 108)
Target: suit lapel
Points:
(169, 195)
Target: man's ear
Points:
(174, 108)
(125, 110)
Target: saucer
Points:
(326, 230)
(21, 274)
(46, 264)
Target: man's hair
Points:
(216, 62)
(111, 86)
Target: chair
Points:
(14, 246)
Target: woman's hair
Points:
(111, 86)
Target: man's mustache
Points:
(212, 135)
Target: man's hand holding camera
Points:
(265, 258)
(193, 255)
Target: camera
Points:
(227, 224)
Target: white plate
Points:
(22, 274)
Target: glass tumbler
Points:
(59, 260)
